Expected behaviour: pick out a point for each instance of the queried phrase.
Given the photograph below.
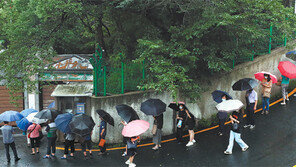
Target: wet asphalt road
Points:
(272, 143)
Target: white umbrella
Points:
(230, 105)
(31, 118)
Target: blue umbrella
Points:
(27, 112)
(11, 116)
(292, 52)
(51, 105)
(62, 122)
(217, 96)
(23, 124)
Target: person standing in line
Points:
(33, 133)
(51, 130)
(8, 140)
(222, 116)
(284, 85)
(266, 84)
(190, 122)
(235, 133)
(158, 124)
(251, 99)
(86, 142)
(69, 142)
(181, 117)
(103, 132)
(131, 149)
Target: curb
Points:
(201, 131)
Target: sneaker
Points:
(132, 165)
(45, 157)
(63, 158)
(189, 144)
(245, 149)
(287, 99)
(266, 112)
(17, 159)
(101, 153)
(262, 113)
(227, 152)
(193, 141)
(128, 162)
(159, 146)
(252, 126)
(245, 126)
(155, 148)
(124, 154)
(220, 134)
(283, 103)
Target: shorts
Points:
(191, 124)
(131, 151)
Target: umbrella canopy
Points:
(175, 106)
(47, 114)
(51, 105)
(229, 105)
(153, 107)
(126, 112)
(23, 124)
(62, 122)
(11, 116)
(245, 84)
(135, 128)
(260, 76)
(33, 119)
(106, 116)
(287, 69)
(217, 96)
(82, 124)
(27, 112)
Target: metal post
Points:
(270, 38)
(285, 40)
(253, 52)
(105, 88)
(122, 77)
(233, 61)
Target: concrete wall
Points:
(203, 108)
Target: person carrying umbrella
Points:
(284, 85)
(34, 131)
(266, 84)
(51, 130)
(85, 141)
(156, 131)
(251, 99)
(103, 132)
(133, 130)
(8, 140)
(235, 133)
(184, 117)
(222, 116)
(69, 142)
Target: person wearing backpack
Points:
(34, 131)
(235, 133)
(131, 149)
(51, 130)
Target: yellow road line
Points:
(204, 130)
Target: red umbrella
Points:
(260, 76)
(135, 128)
(287, 69)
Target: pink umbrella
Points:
(287, 69)
(135, 128)
(260, 76)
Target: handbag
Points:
(154, 129)
(40, 135)
(102, 143)
(179, 125)
(131, 145)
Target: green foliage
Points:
(182, 42)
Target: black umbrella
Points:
(245, 84)
(217, 96)
(127, 113)
(106, 116)
(153, 107)
(47, 114)
(175, 106)
(82, 124)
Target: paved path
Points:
(272, 143)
